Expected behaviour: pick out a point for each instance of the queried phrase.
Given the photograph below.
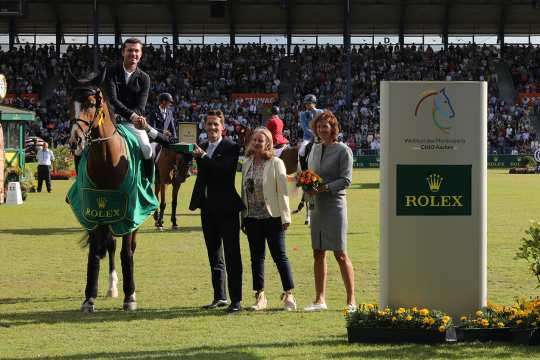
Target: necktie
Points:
(211, 148)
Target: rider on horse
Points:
(127, 88)
(161, 118)
(310, 104)
(275, 125)
(306, 117)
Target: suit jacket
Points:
(275, 192)
(157, 121)
(126, 99)
(214, 188)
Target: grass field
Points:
(43, 272)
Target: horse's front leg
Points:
(174, 201)
(92, 275)
(113, 277)
(156, 191)
(126, 257)
(162, 206)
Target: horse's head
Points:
(87, 104)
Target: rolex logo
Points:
(101, 202)
(434, 182)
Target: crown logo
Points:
(101, 202)
(434, 181)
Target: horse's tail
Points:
(102, 236)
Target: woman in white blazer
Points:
(267, 215)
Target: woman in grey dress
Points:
(333, 161)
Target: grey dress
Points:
(329, 215)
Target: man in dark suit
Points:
(127, 89)
(214, 193)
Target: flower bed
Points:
(517, 323)
(62, 174)
(411, 325)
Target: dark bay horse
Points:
(172, 168)
(107, 165)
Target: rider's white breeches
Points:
(302, 151)
(144, 142)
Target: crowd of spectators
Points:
(204, 77)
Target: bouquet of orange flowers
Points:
(308, 180)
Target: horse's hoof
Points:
(130, 303)
(88, 306)
(160, 228)
(112, 293)
(174, 227)
(130, 306)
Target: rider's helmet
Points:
(310, 98)
(275, 110)
(165, 97)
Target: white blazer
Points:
(274, 188)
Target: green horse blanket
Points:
(123, 209)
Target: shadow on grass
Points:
(443, 351)
(14, 319)
(243, 351)
(364, 186)
(233, 352)
(20, 300)
(42, 231)
(167, 229)
(67, 231)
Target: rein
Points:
(98, 116)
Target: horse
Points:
(172, 168)
(107, 165)
(77, 147)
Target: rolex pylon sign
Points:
(433, 195)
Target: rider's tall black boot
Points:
(148, 165)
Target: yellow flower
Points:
(345, 311)
(380, 313)
(387, 310)
(442, 329)
(400, 310)
(370, 306)
(408, 318)
(519, 322)
(463, 318)
(394, 319)
(414, 309)
(479, 313)
(484, 323)
(501, 325)
(445, 319)
(424, 312)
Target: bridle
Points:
(97, 118)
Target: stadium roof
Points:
(275, 16)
